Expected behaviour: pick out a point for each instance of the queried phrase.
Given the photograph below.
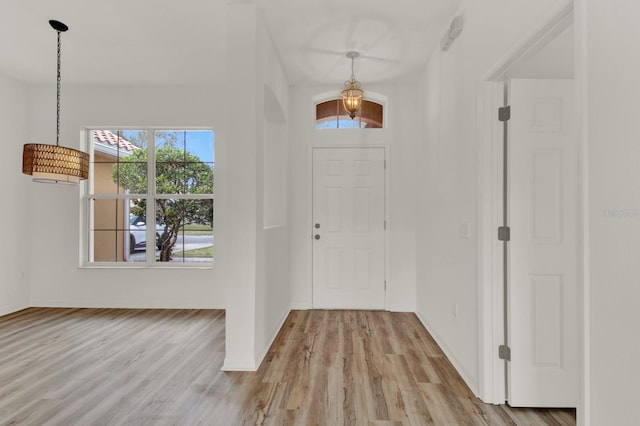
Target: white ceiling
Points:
(553, 60)
(184, 42)
(395, 38)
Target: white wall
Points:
(272, 292)
(239, 261)
(612, 129)
(550, 61)
(401, 137)
(447, 256)
(275, 183)
(14, 210)
(56, 279)
(272, 296)
(250, 273)
(256, 263)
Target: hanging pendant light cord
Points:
(353, 76)
(59, 79)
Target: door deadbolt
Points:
(317, 226)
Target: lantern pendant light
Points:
(55, 163)
(352, 94)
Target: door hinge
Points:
(504, 352)
(385, 164)
(504, 233)
(504, 113)
(385, 285)
(385, 224)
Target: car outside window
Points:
(150, 185)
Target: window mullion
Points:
(111, 243)
(151, 197)
(88, 207)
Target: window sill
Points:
(123, 265)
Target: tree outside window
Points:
(179, 199)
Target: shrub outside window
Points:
(150, 197)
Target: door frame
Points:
(310, 213)
(491, 96)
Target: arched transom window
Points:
(332, 115)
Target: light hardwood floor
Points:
(157, 367)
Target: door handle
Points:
(317, 237)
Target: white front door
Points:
(544, 220)
(348, 228)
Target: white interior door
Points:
(543, 190)
(348, 228)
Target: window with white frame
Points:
(150, 197)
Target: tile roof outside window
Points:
(105, 136)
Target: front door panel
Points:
(348, 228)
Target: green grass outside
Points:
(203, 252)
(197, 229)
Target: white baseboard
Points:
(473, 385)
(239, 364)
(274, 334)
(9, 309)
(245, 364)
(411, 309)
(119, 304)
(300, 307)
(306, 307)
